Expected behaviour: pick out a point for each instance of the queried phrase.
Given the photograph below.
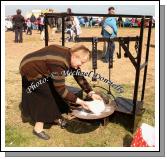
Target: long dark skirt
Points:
(42, 103)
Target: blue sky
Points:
(125, 9)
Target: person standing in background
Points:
(109, 30)
(86, 20)
(69, 25)
(69, 19)
(41, 23)
(18, 21)
(91, 21)
(29, 26)
(33, 20)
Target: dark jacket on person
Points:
(52, 60)
(32, 19)
(18, 21)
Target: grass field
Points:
(78, 133)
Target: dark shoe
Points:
(41, 135)
(61, 122)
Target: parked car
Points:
(96, 21)
(8, 24)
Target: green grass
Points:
(14, 137)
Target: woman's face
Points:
(77, 61)
(111, 11)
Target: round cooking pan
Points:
(84, 114)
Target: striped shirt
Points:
(52, 60)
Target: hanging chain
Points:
(137, 47)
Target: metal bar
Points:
(132, 59)
(97, 15)
(109, 86)
(128, 45)
(57, 15)
(143, 65)
(94, 56)
(137, 74)
(94, 53)
(46, 31)
(146, 60)
(119, 54)
(110, 65)
(101, 39)
(63, 29)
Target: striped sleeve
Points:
(59, 83)
(82, 82)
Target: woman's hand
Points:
(82, 103)
(94, 96)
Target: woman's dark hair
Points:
(111, 8)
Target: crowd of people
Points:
(34, 23)
(73, 24)
(21, 24)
